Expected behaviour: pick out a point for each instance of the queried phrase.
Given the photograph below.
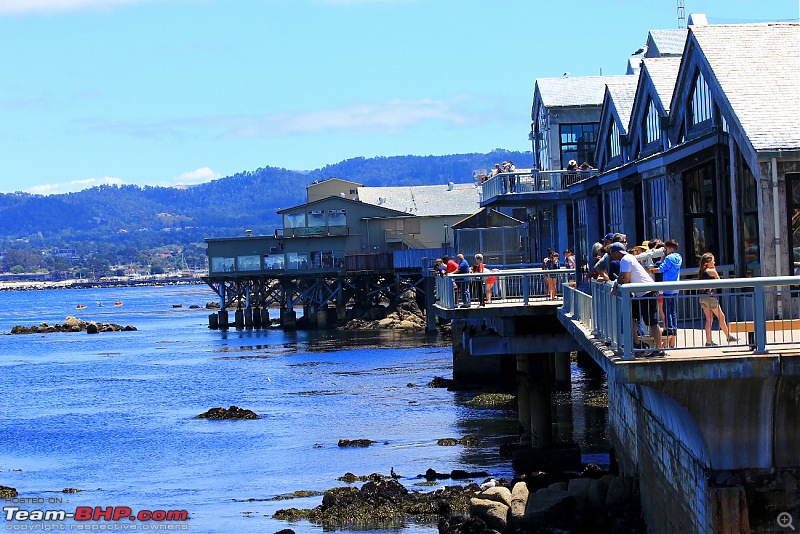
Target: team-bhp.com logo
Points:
(84, 515)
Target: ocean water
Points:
(113, 414)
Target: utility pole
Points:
(681, 15)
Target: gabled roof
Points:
(380, 211)
(621, 94)
(425, 200)
(663, 72)
(578, 91)
(665, 43)
(757, 66)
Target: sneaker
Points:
(655, 354)
(732, 338)
(640, 346)
(711, 344)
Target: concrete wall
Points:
(710, 455)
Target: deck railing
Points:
(760, 313)
(530, 181)
(522, 286)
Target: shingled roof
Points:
(425, 200)
(622, 93)
(663, 71)
(758, 69)
(578, 91)
(662, 43)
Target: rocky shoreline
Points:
(591, 501)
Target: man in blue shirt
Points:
(463, 283)
(670, 267)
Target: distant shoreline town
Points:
(77, 283)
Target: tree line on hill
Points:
(161, 228)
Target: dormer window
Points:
(651, 122)
(613, 140)
(701, 101)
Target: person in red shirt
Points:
(452, 266)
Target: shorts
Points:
(709, 301)
(646, 308)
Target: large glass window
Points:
(222, 264)
(701, 101)
(656, 208)
(316, 219)
(793, 212)
(750, 226)
(337, 218)
(249, 263)
(701, 214)
(294, 220)
(297, 260)
(582, 234)
(612, 206)
(578, 142)
(273, 261)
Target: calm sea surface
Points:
(113, 414)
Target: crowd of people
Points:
(654, 261)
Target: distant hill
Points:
(119, 223)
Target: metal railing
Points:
(530, 181)
(524, 286)
(759, 313)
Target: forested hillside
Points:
(112, 225)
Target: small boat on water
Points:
(99, 304)
(118, 303)
(81, 307)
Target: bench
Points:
(776, 325)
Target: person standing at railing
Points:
(670, 269)
(512, 180)
(551, 264)
(490, 286)
(709, 301)
(644, 304)
(463, 283)
(478, 268)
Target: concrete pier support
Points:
(248, 318)
(322, 318)
(289, 319)
(540, 401)
(524, 398)
(256, 317)
(562, 370)
(266, 322)
(213, 321)
(223, 319)
(239, 318)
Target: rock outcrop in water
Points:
(234, 412)
(72, 324)
(405, 314)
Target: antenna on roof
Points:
(681, 15)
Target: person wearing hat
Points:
(644, 304)
(605, 268)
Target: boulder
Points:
(548, 508)
(497, 493)
(519, 499)
(579, 488)
(494, 513)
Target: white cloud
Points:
(51, 6)
(73, 186)
(197, 176)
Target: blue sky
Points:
(170, 92)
